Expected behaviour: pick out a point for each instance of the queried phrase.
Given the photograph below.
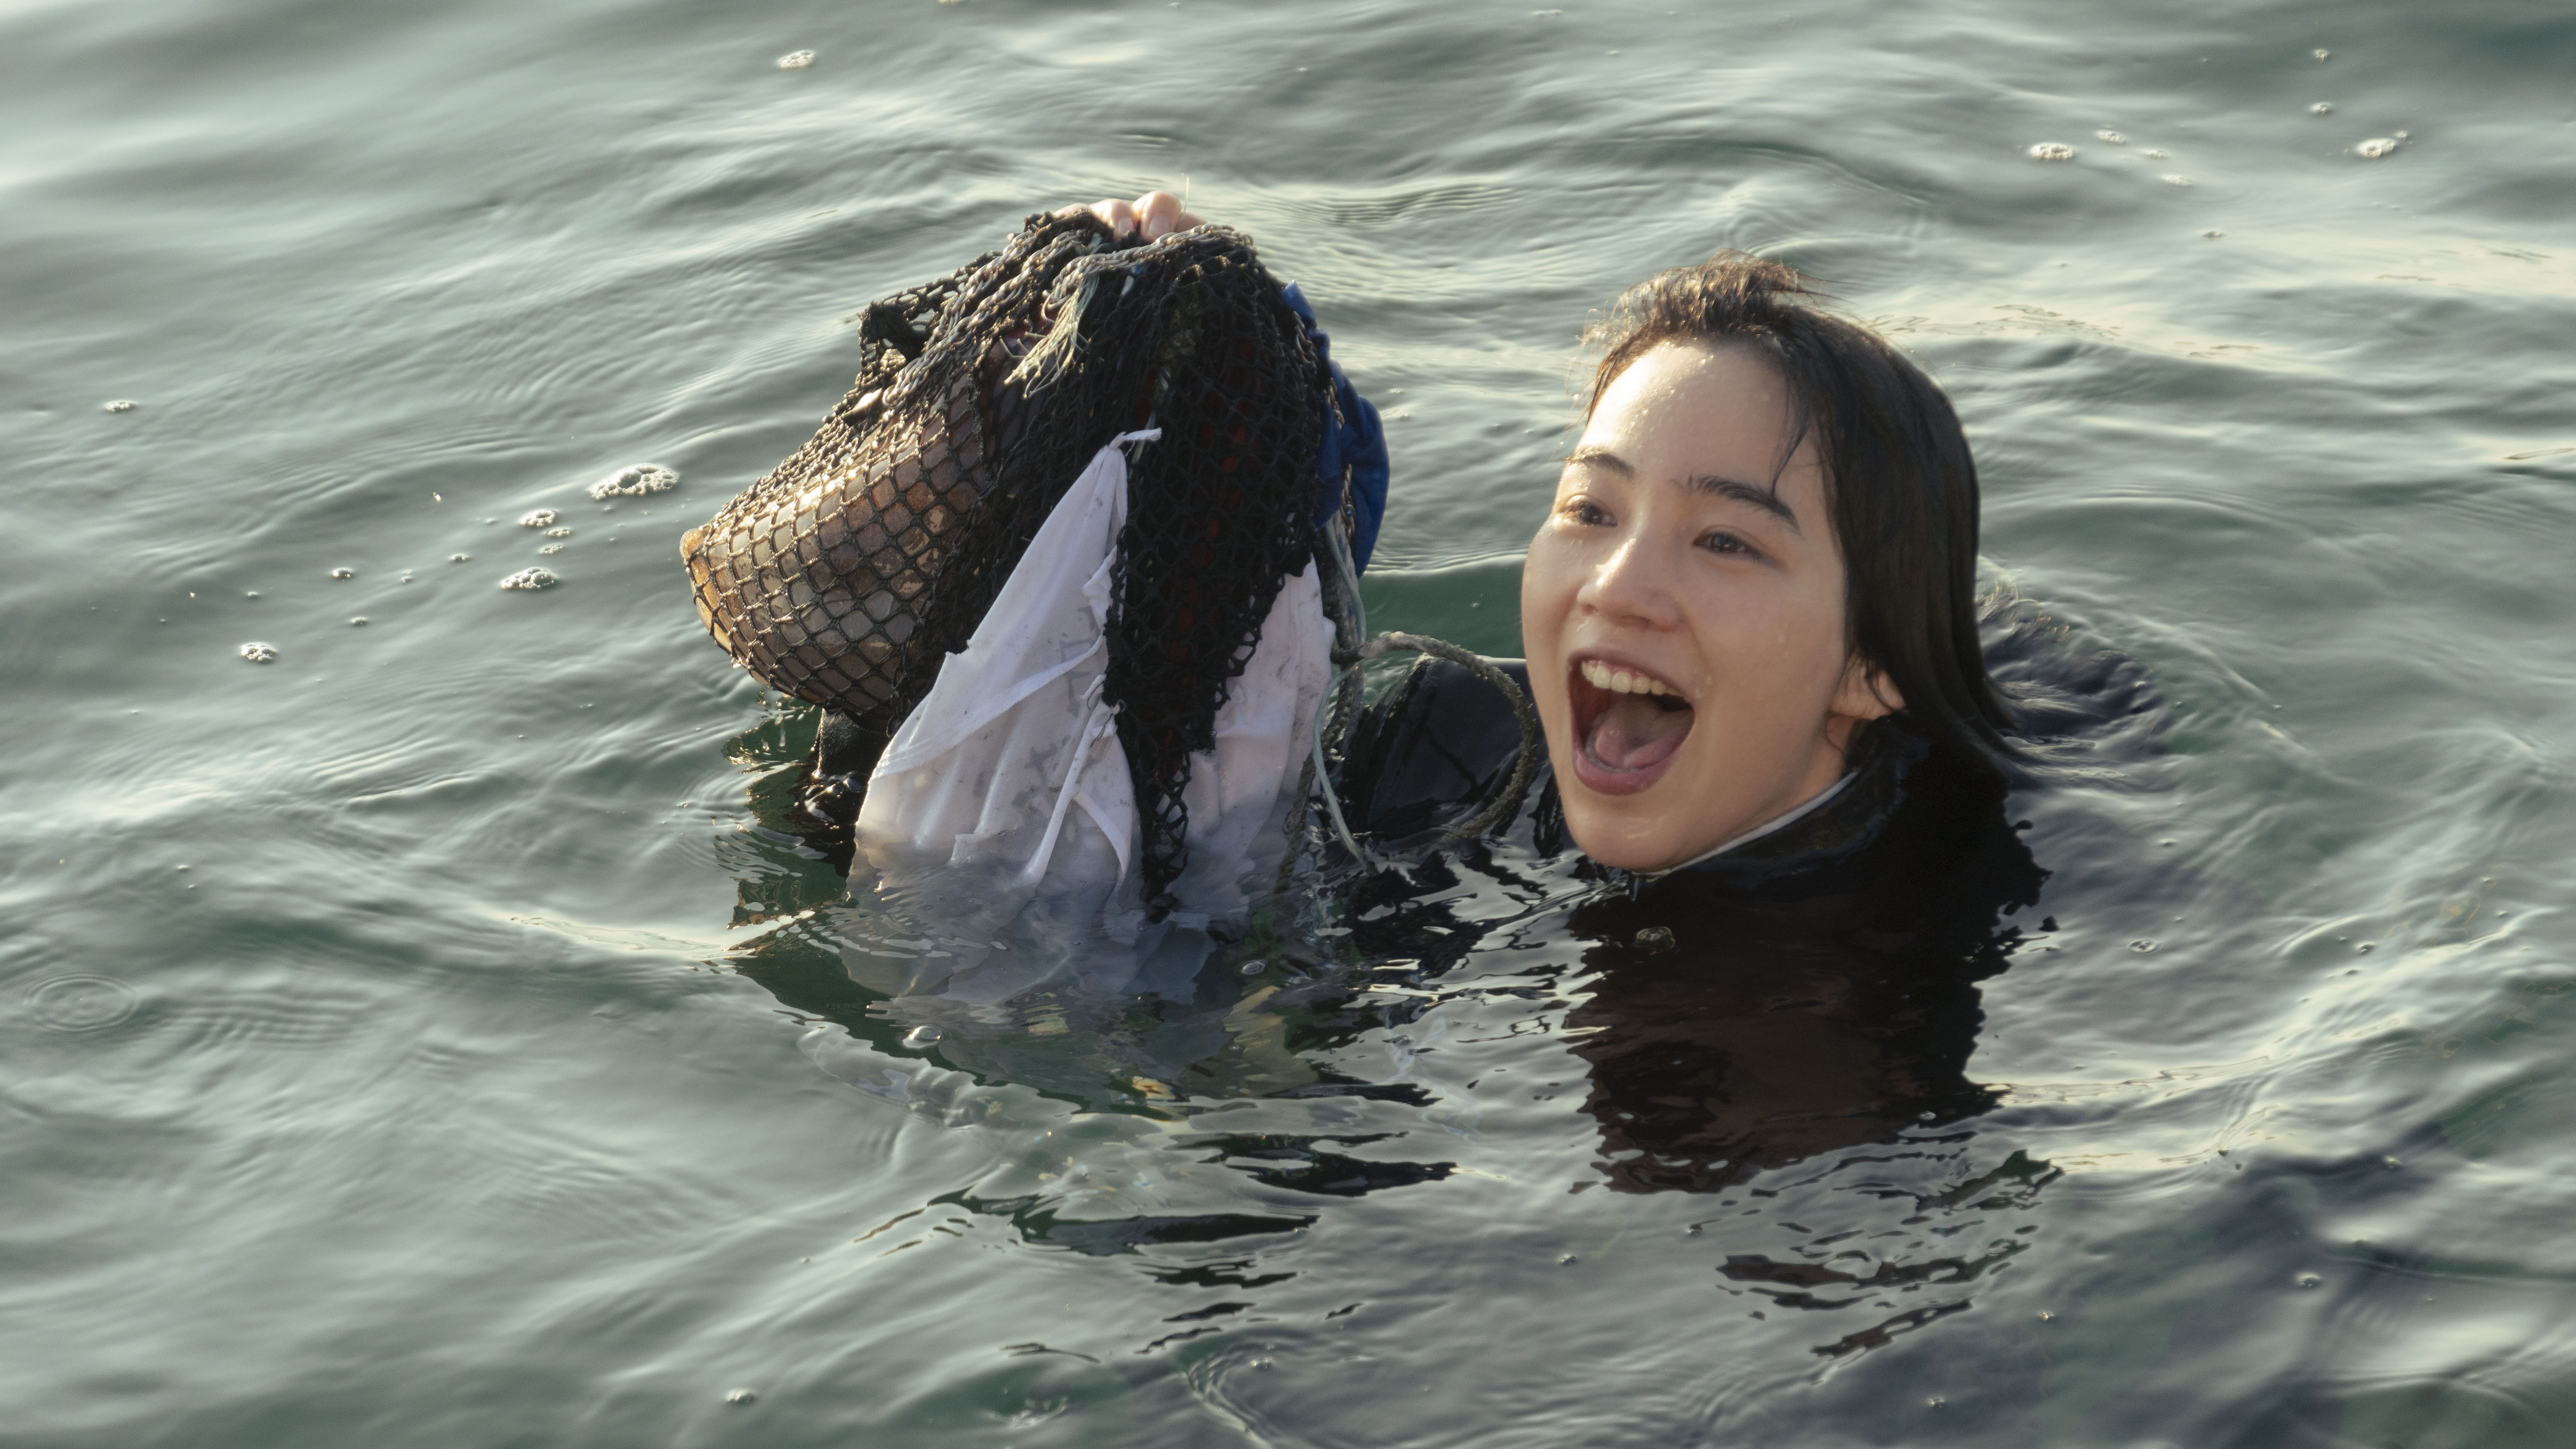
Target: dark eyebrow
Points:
(1742, 492)
(1768, 500)
(1601, 458)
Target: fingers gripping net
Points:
(846, 574)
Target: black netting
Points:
(846, 574)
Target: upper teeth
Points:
(1622, 681)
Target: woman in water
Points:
(1771, 803)
(1772, 738)
(1752, 595)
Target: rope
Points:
(1340, 709)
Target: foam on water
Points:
(2051, 151)
(531, 578)
(635, 481)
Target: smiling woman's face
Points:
(1682, 609)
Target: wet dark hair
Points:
(1898, 477)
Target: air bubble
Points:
(2311, 1280)
(2373, 149)
(1565, 1261)
(344, 573)
(1255, 968)
(2175, 180)
(2364, 947)
(2154, 153)
(459, 558)
(2213, 235)
(530, 579)
(2111, 137)
(558, 533)
(635, 481)
(123, 405)
(259, 653)
(2321, 108)
(541, 518)
(2052, 151)
(923, 1037)
(550, 550)
(796, 60)
(2142, 947)
(360, 621)
(739, 1396)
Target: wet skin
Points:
(1682, 610)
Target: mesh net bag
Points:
(854, 567)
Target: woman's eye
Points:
(1588, 513)
(1727, 545)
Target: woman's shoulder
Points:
(1433, 748)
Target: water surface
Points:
(401, 1037)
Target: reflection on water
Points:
(1728, 1035)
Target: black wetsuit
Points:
(1810, 989)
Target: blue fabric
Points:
(1357, 442)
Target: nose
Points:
(1632, 587)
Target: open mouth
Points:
(1630, 725)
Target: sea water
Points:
(429, 1033)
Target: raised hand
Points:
(1149, 218)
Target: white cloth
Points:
(1008, 779)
